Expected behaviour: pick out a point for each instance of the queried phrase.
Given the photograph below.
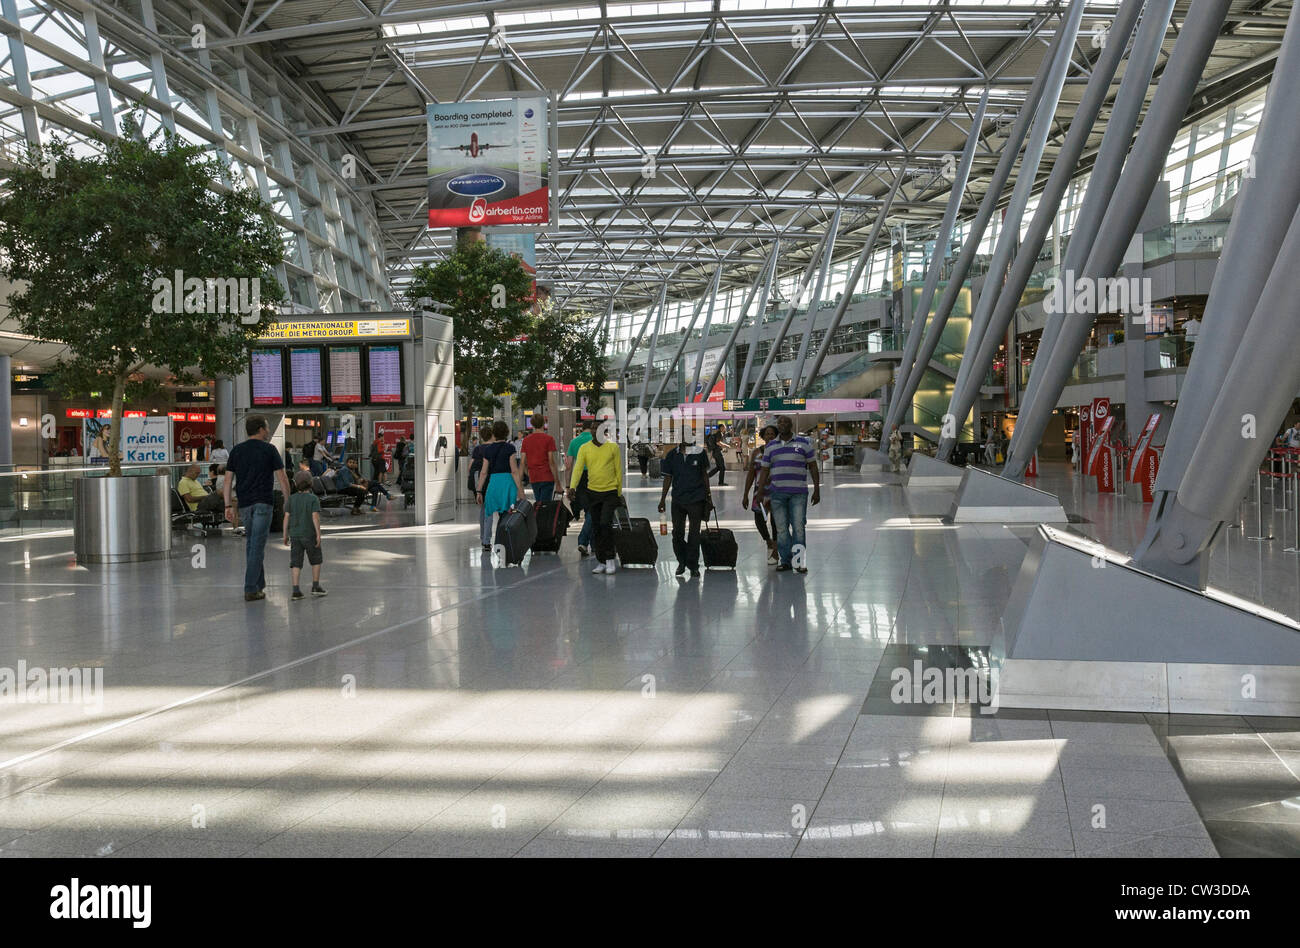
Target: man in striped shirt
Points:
(787, 461)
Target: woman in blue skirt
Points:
(500, 480)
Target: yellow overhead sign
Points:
(338, 329)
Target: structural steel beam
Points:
(654, 342)
(1240, 386)
(903, 395)
(686, 336)
(796, 376)
(740, 318)
(759, 316)
(864, 258)
(983, 341)
(921, 313)
(1101, 185)
(789, 316)
(1124, 209)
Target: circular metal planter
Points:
(122, 519)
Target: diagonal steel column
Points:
(1237, 377)
(863, 259)
(708, 298)
(1259, 384)
(984, 338)
(650, 313)
(609, 310)
(1101, 184)
(796, 376)
(704, 334)
(654, 343)
(902, 397)
(1261, 220)
(740, 320)
(758, 318)
(789, 316)
(1126, 204)
(921, 313)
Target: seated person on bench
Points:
(349, 481)
(195, 497)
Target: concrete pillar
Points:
(225, 411)
(6, 412)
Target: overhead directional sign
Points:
(764, 404)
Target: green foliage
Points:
(561, 347)
(87, 236)
(485, 292)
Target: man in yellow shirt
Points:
(195, 497)
(603, 464)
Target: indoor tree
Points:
(97, 243)
(488, 296)
(561, 347)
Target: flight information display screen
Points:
(266, 376)
(345, 375)
(305, 378)
(385, 375)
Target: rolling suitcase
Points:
(634, 541)
(656, 468)
(552, 522)
(516, 531)
(718, 546)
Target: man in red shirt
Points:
(539, 452)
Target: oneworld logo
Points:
(35, 685)
(134, 902)
(182, 294)
(470, 185)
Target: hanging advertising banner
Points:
(711, 357)
(490, 162)
(1143, 444)
(143, 440)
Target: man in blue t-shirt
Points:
(252, 471)
(787, 461)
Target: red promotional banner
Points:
(719, 393)
(387, 433)
(1135, 474)
(531, 208)
(1099, 442)
(1084, 434)
(1148, 469)
(1105, 469)
(1100, 412)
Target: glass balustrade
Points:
(36, 500)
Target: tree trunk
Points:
(115, 431)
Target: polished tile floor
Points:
(435, 705)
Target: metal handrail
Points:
(97, 468)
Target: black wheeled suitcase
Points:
(516, 531)
(552, 521)
(718, 546)
(656, 467)
(634, 541)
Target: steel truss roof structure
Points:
(691, 133)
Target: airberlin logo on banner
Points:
(530, 208)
